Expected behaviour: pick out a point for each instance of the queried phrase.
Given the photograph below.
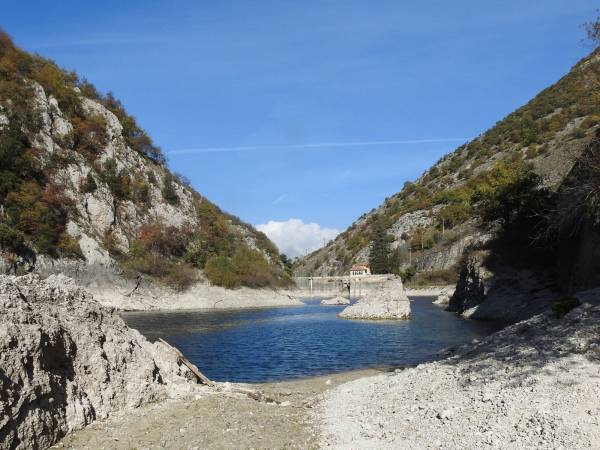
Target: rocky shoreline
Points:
(534, 384)
(72, 370)
(111, 289)
(199, 296)
(431, 291)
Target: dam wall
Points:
(355, 286)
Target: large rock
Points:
(470, 289)
(501, 293)
(66, 361)
(442, 299)
(339, 300)
(387, 301)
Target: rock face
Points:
(470, 289)
(532, 385)
(502, 293)
(335, 301)
(66, 361)
(388, 301)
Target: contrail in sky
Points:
(310, 146)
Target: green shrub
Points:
(531, 152)
(119, 182)
(220, 271)
(562, 306)
(89, 135)
(435, 277)
(69, 247)
(180, 277)
(589, 122)
(455, 213)
(60, 85)
(11, 240)
(88, 184)
(169, 192)
(245, 268)
(407, 274)
(140, 190)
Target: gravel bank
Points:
(535, 384)
(431, 291)
(219, 420)
(199, 296)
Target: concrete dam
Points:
(354, 286)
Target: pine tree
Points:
(380, 250)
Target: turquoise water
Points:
(273, 344)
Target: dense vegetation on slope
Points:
(479, 188)
(37, 204)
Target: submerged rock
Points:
(66, 361)
(442, 299)
(388, 301)
(339, 300)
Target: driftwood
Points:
(186, 362)
(254, 395)
(137, 285)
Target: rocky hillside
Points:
(502, 184)
(82, 184)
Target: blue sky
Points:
(238, 93)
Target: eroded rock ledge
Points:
(66, 361)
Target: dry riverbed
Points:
(219, 420)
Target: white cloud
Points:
(296, 238)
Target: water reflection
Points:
(270, 344)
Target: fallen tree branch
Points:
(186, 362)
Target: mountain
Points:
(499, 193)
(83, 186)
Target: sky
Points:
(298, 117)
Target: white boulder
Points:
(387, 301)
(442, 299)
(339, 300)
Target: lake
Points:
(273, 344)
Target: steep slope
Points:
(84, 189)
(473, 195)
